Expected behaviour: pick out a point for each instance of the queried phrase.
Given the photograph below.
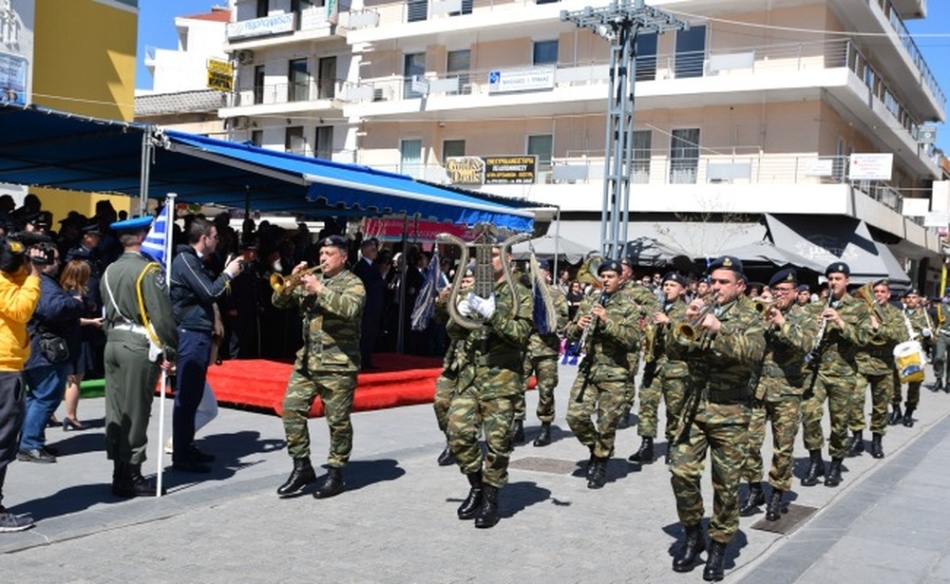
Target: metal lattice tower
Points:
(621, 24)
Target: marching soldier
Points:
(665, 372)
(941, 364)
(847, 327)
(728, 342)
(332, 307)
(790, 335)
(876, 370)
(489, 382)
(918, 323)
(541, 359)
(609, 320)
(140, 340)
(646, 304)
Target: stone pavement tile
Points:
(855, 549)
(825, 571)
(941, 570)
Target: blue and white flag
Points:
(154, 245)
(424, 308)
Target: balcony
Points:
(313, 24)
(284, 98)
(911, 8)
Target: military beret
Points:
(335, 241)
(544, 265)
(133, 224)
(40, 219)
(838, 268)
(882, 282)
(469, 271)
(674, 277)
(803, 288)
(727, 263)
(91, 227)
(786, 275)
(628, 261)
(912, 290)
(609, 266)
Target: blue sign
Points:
(494, 77)
(13, 72)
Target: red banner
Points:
(422, 231)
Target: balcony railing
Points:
(421, 10)
(284, 93)
(927, 77)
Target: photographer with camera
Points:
(56, 318)
(19, 295)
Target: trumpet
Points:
(283, 285)
(686, 333)
(762, 305)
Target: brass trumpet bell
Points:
(761, 305)
(283, 285)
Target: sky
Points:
(157, 29)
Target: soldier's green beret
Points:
(786, 275)
(838, 268)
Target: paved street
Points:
(397, 522)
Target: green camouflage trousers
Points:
(785, 416)
(840, 393)
(444, 390)
(630, 391)
(606, 400)
(336, 390)
(468, 413)
(673, 392)
(913, 395)
(545, 371)
(882, 390)
(724, 430)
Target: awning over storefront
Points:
(548, 246)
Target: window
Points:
(298, 7)
(263, 8)
(294, 141)
(326, 78)
(546, 1)
(642, 143)
(466, 8)
(299, 80)
(413, 64)
(417, 10)
(545, 52)
(458, 65)
(452, 148)
(646, 57)
(257, 138)
(684, 156)
(259, 84)
(690, 52)
(410, 158)
(324, 148)
(542, 146)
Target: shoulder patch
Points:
(160, 279)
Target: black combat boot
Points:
(301, 476)
(876, 450)
(623, 422)
(816, 468)
(643, 455)
(598, 476)
(332, 486)
(713, 572)
(756, 499)
(590, 465)
(909, 417)
(694, 545)
(856, 444)
(774, 510)
(517, 433)
(896, 416)
(544, 438)
(446, 458)
(937, 387)
(473, 502)
(118, 478)
(134, 484)
(833, 478)
(488, 512)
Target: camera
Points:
(13, 249)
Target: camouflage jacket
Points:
(721, 365)
(669, 355)
(919, 320)
(783, 366)
(331, 334)
(453, 357)
(608, 343)
(494, 362)
(549, 345)
(839, 347)
(877, 357)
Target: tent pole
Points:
(400, 328)
(557, 245)
(146, 166)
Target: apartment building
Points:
(755, 109)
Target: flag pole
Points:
(167, 266)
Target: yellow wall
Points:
(84, 62)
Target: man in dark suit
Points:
(366, 270)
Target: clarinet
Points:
(588, 358)
(813, 354)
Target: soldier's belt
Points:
(728, 396)
(132, 328)
(505, 360)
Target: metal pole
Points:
(145, 168)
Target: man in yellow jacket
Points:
(19, 295)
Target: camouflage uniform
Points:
(717, 417)
(604, 375)
(445, 384)
(326, 365)
(918, 322)
(876, 369)
(669, 380)
(836, 377)
(645, 305)
(489, 382)
(940, 362)
(778, 396)
(541, 359)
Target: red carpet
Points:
(398, 380)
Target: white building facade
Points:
(16, 64)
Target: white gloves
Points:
(464, 309)
(483, 307)
(927, 333)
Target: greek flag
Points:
(154, 245)
(424, 308)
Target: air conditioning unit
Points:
(245, 57)
(240, 123)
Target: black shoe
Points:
(713, 572)
(598, 476)
(909, 418)
(446, 458)
(131, 482)
(833, 478)
(52, 422)
(895, 416)
(35, 455)
(877, 451)
(774, 510)
(590, 466)
(51, 450)
(488, 512)
(301, 476)
(201, 456)
(517, 432)
(69, 425)
(756, 499)
(644, 454)
(694, 544)
(473, 502)
(190, 464)
(544, 438)
(856, 443)
(816, 468)
(939, 385)
(332, 486)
